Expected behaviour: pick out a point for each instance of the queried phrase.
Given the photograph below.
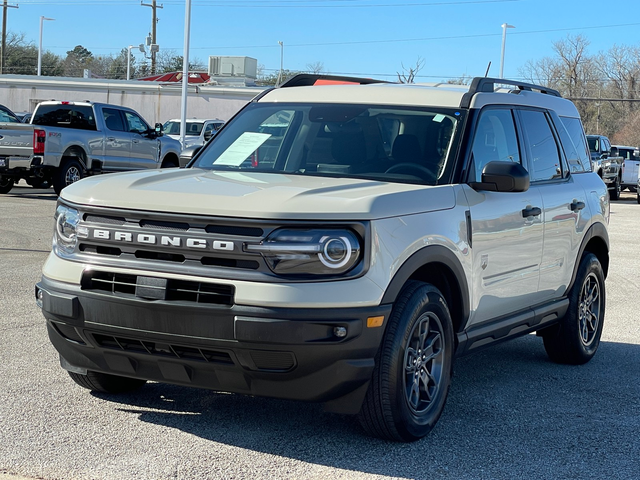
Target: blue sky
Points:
(360, 37)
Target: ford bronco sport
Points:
(338, 243)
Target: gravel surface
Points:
(511, 413)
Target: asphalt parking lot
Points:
(511, 413)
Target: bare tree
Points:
(315, 67)
(408, 75)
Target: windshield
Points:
(173, 128)
(385, 143)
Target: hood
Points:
(257, 195)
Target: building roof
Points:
(175, 77)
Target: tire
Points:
(6, 184)
(70, 171)
(406, 395)
(105, 383)
(575, 340)
(170, 164)
(614, 193)
(632, 189)
(638, 197)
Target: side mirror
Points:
(503, 177)
(158, 129)
(207, 135)
(614, 152)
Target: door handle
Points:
(531, 212)
(135, 140)
(576, 206)
(111, 139)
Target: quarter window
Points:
(545, 163)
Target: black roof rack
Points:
(487, 84)
(308, 79)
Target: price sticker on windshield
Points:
(242, 148)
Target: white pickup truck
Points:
(67, 141)
(630, 162)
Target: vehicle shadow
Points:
(511, 413)
(30, 192)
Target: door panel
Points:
(144, 150)
(117, 141)
(506, 244)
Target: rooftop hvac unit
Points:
(233, 67)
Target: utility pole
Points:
(4, 34)
(154, 20)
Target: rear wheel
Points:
(411, 379)
(6, 184)
(576, 339)
(70, 171)
(105, 383)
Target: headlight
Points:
(309, 252)
(66, 225)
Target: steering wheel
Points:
(414, 169)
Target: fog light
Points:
(340, 332)
(39, 297)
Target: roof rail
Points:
(308, 79)
(487, 84)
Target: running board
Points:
(489, 333)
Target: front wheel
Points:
(411, 379)
(614, 193)
(6, 184)
(105, 383)
(576, 339)
(69, 172)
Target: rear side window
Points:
(576, 133)
(80, 117)
(545, 162)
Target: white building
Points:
(156, 102)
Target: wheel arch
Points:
(170, 158)
(440, 267)
(595, 241)
(78, 153)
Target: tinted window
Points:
(113, 119)
(593, 144)
(575, 131)
(495, 140)
(545, 163)
(69, 116)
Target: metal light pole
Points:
(281, 62)
(129, 61)
(504, 41)
(42, 19)
(185, 72)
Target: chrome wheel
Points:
(589, 309)
(72, 175)
(423, 361)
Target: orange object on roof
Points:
(175, 77)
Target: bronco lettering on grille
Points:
(163, 240)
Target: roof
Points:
(175, 77)
(482, 91)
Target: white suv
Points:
(340, 241)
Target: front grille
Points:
(158, 349)
(126, 285)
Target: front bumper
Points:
(274, 352)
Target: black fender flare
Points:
(424, 256)
(597, 230)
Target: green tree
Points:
(77, 61)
